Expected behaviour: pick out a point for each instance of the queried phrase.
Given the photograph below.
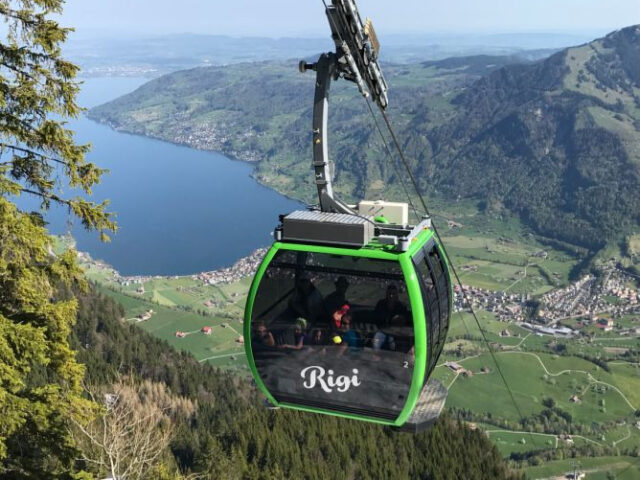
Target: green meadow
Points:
(220, 348)
(600, 468)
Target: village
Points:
(591, 300)
(242, 268)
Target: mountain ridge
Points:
(562, 134)
(535, 125)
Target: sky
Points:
(277, 18)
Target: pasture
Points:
(220, 348)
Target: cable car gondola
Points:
(349, 310)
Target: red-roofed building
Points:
(206, 330)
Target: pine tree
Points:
(40, 379)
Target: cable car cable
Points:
(393, 164)
(404, 161)
(408, 196)
(453, 269)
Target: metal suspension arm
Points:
(327, 69)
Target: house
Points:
(208, 304)
(606, 324)
(144, 316)
(240, 340)
(140, 290)
(206, 330)
(575, 476)
(456, 367)
(505, 333)
(566, 438)
(575, 399)
(180, 334)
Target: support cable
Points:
(453, 269)
(393, 164)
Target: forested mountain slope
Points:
(231, 435)
(556, 141)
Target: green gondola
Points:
(349, 310)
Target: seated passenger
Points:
(318, 341)
(335, 322)
(390, 306)
(402, 333)
(395, 336)
(263, 336)
(299, 335)
(306, 301)
(338, 297)
(317, 338)
(349, 336)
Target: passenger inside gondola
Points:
(350, 338)
(299, 335)
(390, 306)
(335, 322)
(317, 338)
(307, 301)
(338, 297)
(263, 336)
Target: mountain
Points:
(261, 112)
(555, 141)
(101, 54)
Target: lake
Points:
(179, 210)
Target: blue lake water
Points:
(179, 210)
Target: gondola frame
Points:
(414, 292)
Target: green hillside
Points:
(555, 141)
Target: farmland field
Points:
(220, 348)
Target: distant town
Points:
(590, 301)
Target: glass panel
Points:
(444, 291)
(335, 332)
(431, 307)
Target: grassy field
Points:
(221, 348)
(518, 442)
(496, 253)
(622, 468)
(531, 383)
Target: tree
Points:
(38, 95)
(40, 380)
(130, 436)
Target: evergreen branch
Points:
(31, 152)
(15, 69)
(47, 197)
(18, 16)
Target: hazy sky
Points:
(305, 17)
